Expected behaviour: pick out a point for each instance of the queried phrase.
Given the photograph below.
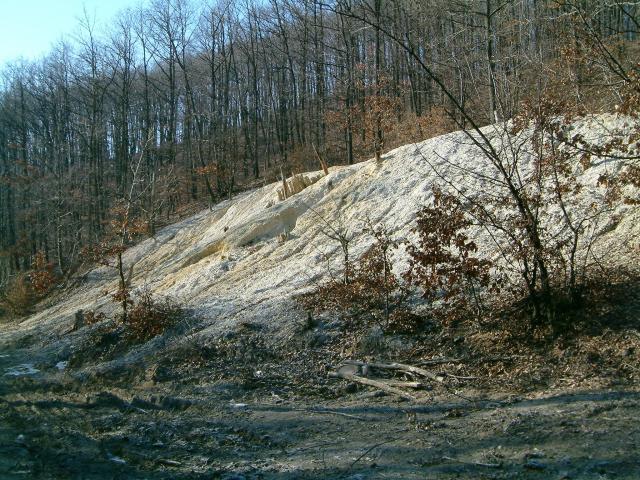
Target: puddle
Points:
(62, 365)
(20, 370)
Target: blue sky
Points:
(29, 27)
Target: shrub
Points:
(91, 317)
(23, 291)
(370, 290)
(442, 264)
(43, 277)
(149, 316)
(18, 296)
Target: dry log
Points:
(374, 383)
(401, 384)
(400, 367)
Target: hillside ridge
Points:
(244, 259)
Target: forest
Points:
(178, 104)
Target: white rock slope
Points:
(245, 258)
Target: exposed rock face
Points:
(244, 259)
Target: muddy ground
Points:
(58, 425)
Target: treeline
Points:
(180, 103)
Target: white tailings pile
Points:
(245, 259)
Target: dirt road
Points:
(54, 426)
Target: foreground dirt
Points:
(54, 426)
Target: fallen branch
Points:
(402, 384)
(374, 383)
(400, 367)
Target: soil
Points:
(215, 415)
